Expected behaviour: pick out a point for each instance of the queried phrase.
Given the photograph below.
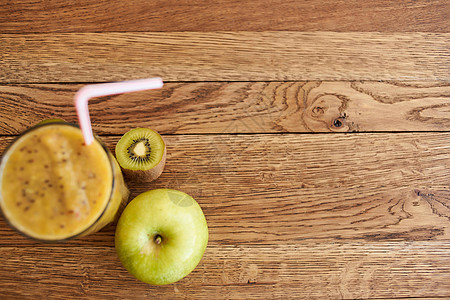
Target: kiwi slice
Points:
(141, 152)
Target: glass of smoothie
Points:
(53, 187)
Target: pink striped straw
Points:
(105, 89)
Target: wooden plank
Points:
(224, 56)
(253, 15)
(306, 270)
(272, 189)
(240, 107)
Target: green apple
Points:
(161, 236)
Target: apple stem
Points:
(158, 239)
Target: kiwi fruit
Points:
(141, 152)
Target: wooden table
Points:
(314, 134)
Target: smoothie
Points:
(54, 187)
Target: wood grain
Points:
(306, 270)
(240, 107)
(27, 16)
(314, 135)
(273, 189)
(224, 56)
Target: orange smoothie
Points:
(53, 187)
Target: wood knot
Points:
(327, 112)
(337, 123)
(317, 111)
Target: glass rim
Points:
(113, 183)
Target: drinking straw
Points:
(105, 89)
